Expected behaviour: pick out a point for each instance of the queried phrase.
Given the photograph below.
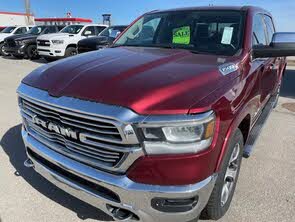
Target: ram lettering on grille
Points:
(55, 128)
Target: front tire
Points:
(224, 189)
(70, 51)
(32, 52)
(2, 52)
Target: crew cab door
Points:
(266, 67)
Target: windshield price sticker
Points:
(227, 35)
(182, 35)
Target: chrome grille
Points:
(101, 144)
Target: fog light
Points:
(174, 205)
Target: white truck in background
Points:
(64, 43)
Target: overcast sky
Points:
(125, 11)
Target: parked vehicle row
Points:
(64, 43)
(49, 41)
(53, 42)
(24, 45)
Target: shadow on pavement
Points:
(288, 86)
(41, 61)
(14, 147)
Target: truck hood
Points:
(146, 80)
(57, 36)
(22, 37)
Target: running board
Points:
(256, 129)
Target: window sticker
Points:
(182, 35)
(227, 35)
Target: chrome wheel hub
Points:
(230, 175)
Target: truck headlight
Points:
(20, 42)
(57, 42)
(179, 137)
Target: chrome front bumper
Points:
(134, 197)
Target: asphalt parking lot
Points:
(265, 192)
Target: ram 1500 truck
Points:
(10, 31)
(64, 43)
(154, 128)
(103, 40)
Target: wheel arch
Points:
(244, 126)
(242, 122)
(71, 45)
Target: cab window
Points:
(51, 29)
(21, 30)
(99, 29)
(259, 37)
(269, 27)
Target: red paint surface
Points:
(169, 81)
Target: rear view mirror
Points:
(282, 45)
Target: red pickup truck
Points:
(154, 128)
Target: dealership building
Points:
(15, 18)
(61, 21)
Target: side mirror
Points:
(87, 33)
(115, 33)
(282, 45)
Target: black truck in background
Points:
(24, 45)
(104, 39)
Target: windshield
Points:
(72, 29)
(36, 30)
(113, 31)
(8, 29)
(215, 32)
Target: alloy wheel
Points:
(230, 175)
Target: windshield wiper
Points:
(194, 51)
(165, 46)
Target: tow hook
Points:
(29, 163)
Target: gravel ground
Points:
(265, 191)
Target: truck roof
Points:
(200, 8)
